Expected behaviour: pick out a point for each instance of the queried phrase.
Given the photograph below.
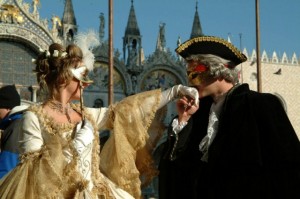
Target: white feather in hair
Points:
(87, 41)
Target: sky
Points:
(279, 21)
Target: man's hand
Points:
(186, 107)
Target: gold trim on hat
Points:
(188, 43)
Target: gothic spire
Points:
(132, 26)
(196, 30)
(69, 22)
(69, 16)
(132, 40)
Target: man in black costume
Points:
(239, 143)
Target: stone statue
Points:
(35, 4)
(102, 26)
(162, 34)
(55, 22)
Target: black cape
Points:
(255, 154)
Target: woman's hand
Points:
(176, 92)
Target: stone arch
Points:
(22, 41)
(159, 77)
(98, 103)
(100, 76)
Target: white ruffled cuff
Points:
(177, 127)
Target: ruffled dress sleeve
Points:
(126, 156)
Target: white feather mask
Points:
(87, 41)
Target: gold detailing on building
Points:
(10, 14)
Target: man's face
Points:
(3, 112)
(197, 73)
(199, 77)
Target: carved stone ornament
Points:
(23, 33)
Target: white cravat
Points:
(212, 129)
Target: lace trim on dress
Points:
(71, 174)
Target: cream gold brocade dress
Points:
(50, 167)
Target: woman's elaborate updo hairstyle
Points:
(52, 67)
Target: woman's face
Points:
(73, 88)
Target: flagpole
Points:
(258, 62)
(110, 55)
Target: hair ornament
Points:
(64, 54)
(55, 53)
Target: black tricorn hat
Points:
(211, 45)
